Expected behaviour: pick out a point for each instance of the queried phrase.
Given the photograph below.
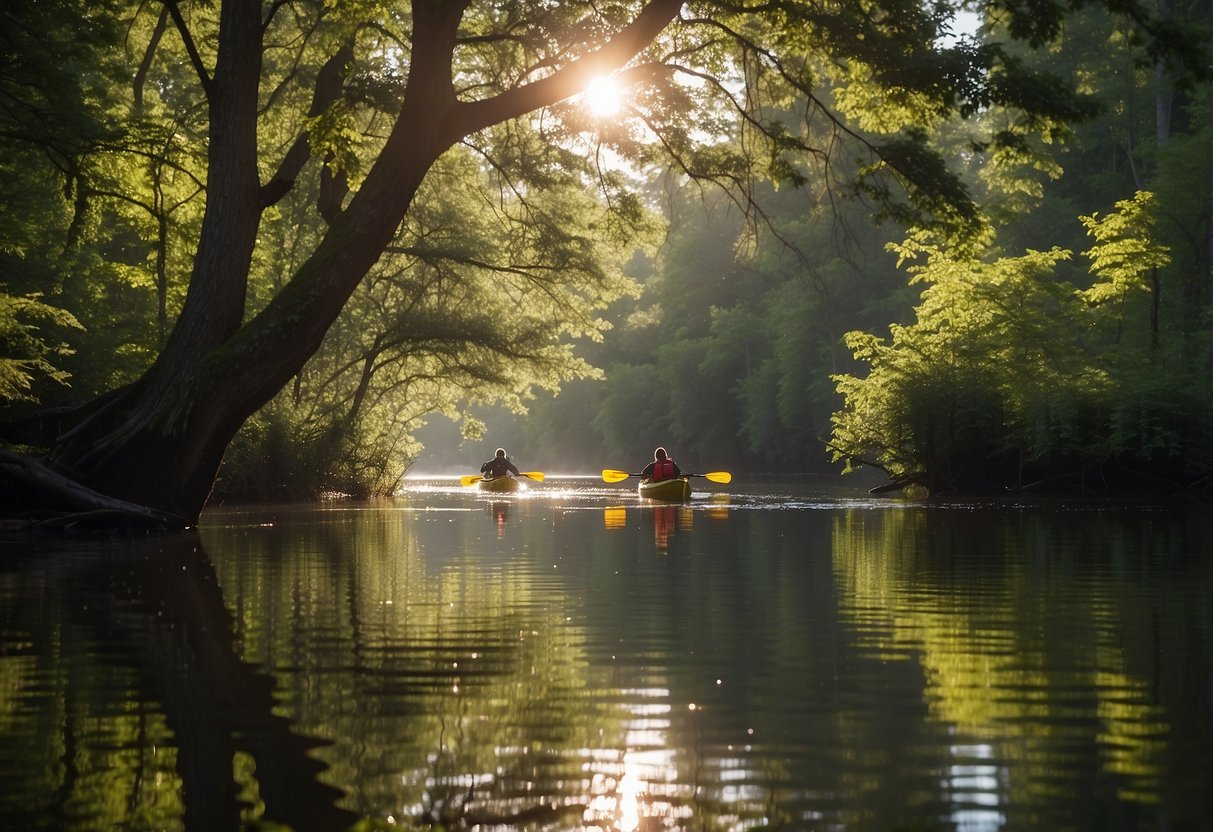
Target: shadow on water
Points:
(137, 643)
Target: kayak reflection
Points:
(666, 519)
(663, 524)
(614, 517)
(500, 512)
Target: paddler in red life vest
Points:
(498, 466)
(661, 468)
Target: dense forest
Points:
(256, 247)
(1064, 347)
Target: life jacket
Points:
(663, 469)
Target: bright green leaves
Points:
(26, 351)
(942, 395)
(335, 135)
(1008, 374)
(877, 108)
(1125, 251)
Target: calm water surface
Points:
(772, 656)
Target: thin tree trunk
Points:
(1163, 92)
(1155, 301)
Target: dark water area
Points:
(775, 655)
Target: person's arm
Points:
(484, 468)
(513, 468)
(647, 472)
(677, 470)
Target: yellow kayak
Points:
(677, 490)
(501, 485)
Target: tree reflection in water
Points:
(147, 613)
(795, 667)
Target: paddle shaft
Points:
(472, 479)
(612, 475)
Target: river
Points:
(778, 654)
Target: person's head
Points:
(659, 453)
(501, 453)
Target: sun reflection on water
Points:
(629, 802)
(628, 788)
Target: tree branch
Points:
(468, 117)
(329, 86)
(273, 10)
(190, 48)
(146, 64)
(22, 480)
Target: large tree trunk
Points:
(160, 443)
(155, 443)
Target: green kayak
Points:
(677, 490)
(502, 485)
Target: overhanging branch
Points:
(329, 84)
(573, 78)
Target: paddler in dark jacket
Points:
(498, 466)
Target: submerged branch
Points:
(63, 503)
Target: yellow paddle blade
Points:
(537, 476)
(719, 476)
(609, 475)
(470, 479)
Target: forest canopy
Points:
(305, 226)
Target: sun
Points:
(603, 96)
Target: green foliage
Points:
(934, 190)
(635, 412)
(728, 356)
(25, 352)
(1126, 250)
(85, 182)
(1005, 379)
(1014, 369)
(942, 394)
(335, 134)
(950, 403)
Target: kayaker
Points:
(498, 466)
(661, 468)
